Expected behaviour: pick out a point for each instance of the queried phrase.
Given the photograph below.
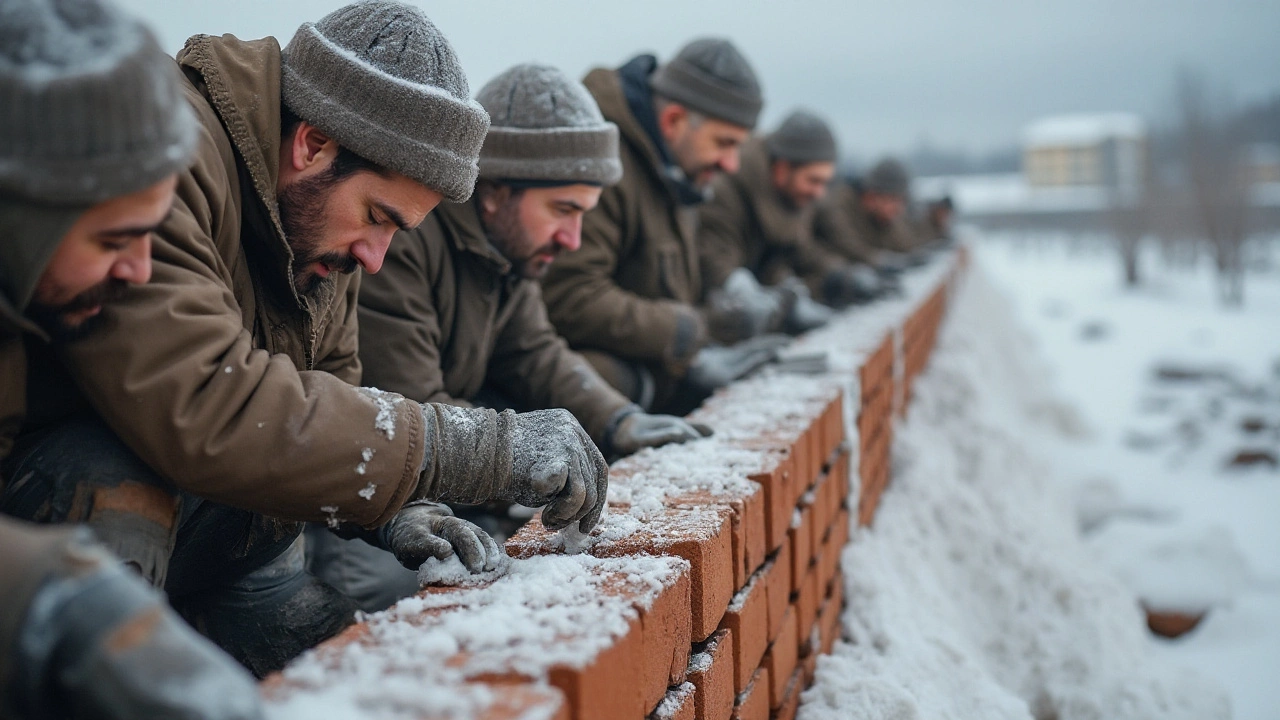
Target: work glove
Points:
(632, 429)
(742, 309)
(852, 285)
(99, 642)
(423, 529)
(891, 264)
(716, 366)
(535, 459)
(803, 312)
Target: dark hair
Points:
(347, 162)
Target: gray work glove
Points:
(423, 529)
(632, 429)
(98, 642)
(891, 264)
(742, 309)
(803, 312)
(716, 366)
(852, 285)
(535, 459)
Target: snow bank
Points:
(972, 596)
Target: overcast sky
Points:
(964, 75)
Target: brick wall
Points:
(716, 573)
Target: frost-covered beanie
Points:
(710, 76)
(546, 127)
(888, 177)
(90, 107)
(382, 81)
(802, 138)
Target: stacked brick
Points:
(708, 590)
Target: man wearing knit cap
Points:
(79, 633)
(759, 225)
(225, 407)
(865, 221)
(456, 314)
(628, 299)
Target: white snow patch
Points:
(385, 420)
(451, 571)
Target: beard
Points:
(302, 216)
(53, 318)
(508, 235)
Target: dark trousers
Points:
(236, 575)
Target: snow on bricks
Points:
(753, 703)
(711, 672)
(572, 622)
(748, 621)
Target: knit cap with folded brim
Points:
(382, 81)
(90, 106)
(888, 177)
(803, 137)
(710, 76)
(546, 127)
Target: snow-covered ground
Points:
(1067, 452)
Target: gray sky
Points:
(965, 75)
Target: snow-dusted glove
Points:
(475, 455)
(742, 309)
(852, 285)
(716, 366)
(803, 312)
(98, 642)
(889, 263)
(632, 429)
(424, 529)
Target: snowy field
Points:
(1068, 457)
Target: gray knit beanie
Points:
(710, 76)
(546, 127)
(888, 177)
(90, 107)
(380, 79)
(802, 138)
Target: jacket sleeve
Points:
(399, 329)
(834, 231)
(174, 372)
(721, 235)
(533, 365)
(591, 311)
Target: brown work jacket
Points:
(444, 318)
(842, 226)
(624, 291)
(747, 223)
(217, 373)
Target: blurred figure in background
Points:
(87, 173)
(933, 228)
(865, 220)
(629, 299)
(758, 230)
(456, 314)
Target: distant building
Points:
(1103, 151)
(1262, 163)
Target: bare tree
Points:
(1212, 148)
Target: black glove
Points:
(716, 366)
(98, 642)
(634, 429)
(851, 285)
(538, 458)
(424, 529)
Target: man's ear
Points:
(781, 171)
(310, 148)
(494, 197)
(671, 120)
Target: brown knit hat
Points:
(710, 76)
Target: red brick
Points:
(677, 704)
(748, 620)
(829, 617)
(668, 632)
(711, 672)
(753, 703)
(775, 478)
(781, 658)
(808, 597)
(749, 536)
(800, 539)
(808, 667)
(778, 586)
(606, 687)
(829, 559)
(790, 702)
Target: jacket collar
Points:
(466, 233)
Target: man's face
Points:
(883, 207)
(336, 222)
(802, 185)
(702, 149)
(530, 228)
(107, 249)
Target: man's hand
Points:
(852, 285)
(742, 309)
(425, 529)
(715, 366)
(636, 429)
